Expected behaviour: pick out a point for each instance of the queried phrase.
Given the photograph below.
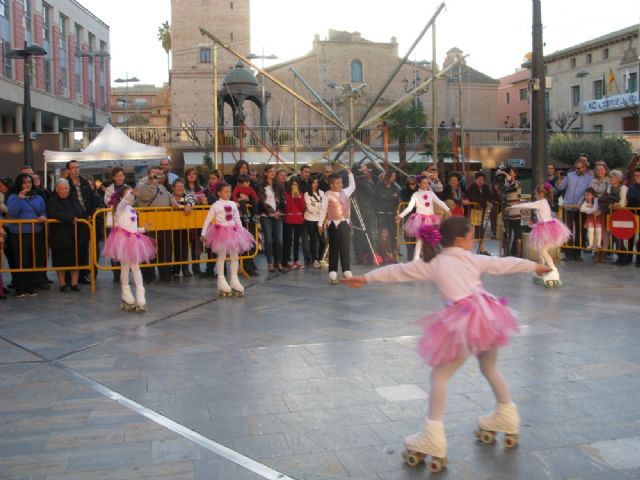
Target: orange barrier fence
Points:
(175, 232)
(28, 250)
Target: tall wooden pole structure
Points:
(538, 87)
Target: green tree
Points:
(401, 122)
(615, 151)
(164, 35)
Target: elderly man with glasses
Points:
(574, 186)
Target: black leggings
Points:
(339, 246)
(316, 240)
(291, 231)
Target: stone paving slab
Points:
(316, 382)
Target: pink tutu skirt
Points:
(470, 326)
(417, 220)
(128, 247)
(232, 239)
(552, 234)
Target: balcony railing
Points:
(310, 137)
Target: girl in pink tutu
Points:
(547, 233)
(128, 244)
(473, 323)
(226, 236)
(423, 201)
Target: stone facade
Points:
(148, 105)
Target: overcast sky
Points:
(494, 33)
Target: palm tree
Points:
(164, 35)
(402, 122)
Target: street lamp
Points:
(581, 74)
(25, 54)
(126, 80)
(253, 56)
(91, 56)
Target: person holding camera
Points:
(573, 187)
(152, 193)
(25, 204)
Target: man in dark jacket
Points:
(479, 192)
(633, 201)
(80, 189)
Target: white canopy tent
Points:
(110, 146)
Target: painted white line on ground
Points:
(195, 437)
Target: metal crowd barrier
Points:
(40, 248)
(620, 229)
(166, 223)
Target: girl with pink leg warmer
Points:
(128, 244)
(473, 322)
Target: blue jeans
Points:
(272, 237)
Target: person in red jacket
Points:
(293, 223)
(243, 194)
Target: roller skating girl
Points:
(473, 323)
(226, 236)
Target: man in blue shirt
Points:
(573, 186)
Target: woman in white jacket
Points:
(313, 202)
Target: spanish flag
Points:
(612, 81)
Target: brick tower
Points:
(192, 53)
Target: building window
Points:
(140, 103)
(28, 37)
(524, 121)
(573, 63)
(78, 60)
(4, 8)
(605, 54)
(598, 91)
(356, 71)
(575, 95)
(632, 82)
(598, 128)
(507, 97)
(63, 51)
(6, 62)
(47, 75)
(231, 5)
(523, 94)
(46, 14)
(589, 58)
(205, 55)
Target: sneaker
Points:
(63, 288)
(333, 278)
(33, 293)
(347, 274)
(299, 265)
(21, 295)
(316, 264)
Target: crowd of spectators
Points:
(286, 207)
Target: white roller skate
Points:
(505, 419)
(141, 302)
(128, 302)
(552, 279)
(430, 442)
(347, 274)
(333, 278)
(237, 290)
(224, 290)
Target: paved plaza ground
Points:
(306, 381)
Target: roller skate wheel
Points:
(238, 293)
(437, 464)
(411, 458)
(222, 293)
(510, 440)
(141, 308)
(333, 282)
(485, 436)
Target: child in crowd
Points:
(472, 323)
(128, 244)
(423, 200)
(243, 187)
(313, 202)
(594, 221)
(547, 233)
(226, 236)
(293, 223)
(384, 249)
(335, 217)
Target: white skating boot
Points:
(505, 419)
(128, 302)
(430, 442)
(236, 288)
(333, 278)
(141, 301)
(347, 274)
(552, 279)
(224, 290)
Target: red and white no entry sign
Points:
(623, 224)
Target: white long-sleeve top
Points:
(423, 201)
(590, 208)
(336, 195)
(455, 271)
(225, 213)
(313, 205)
(126, 217)
(542, 208)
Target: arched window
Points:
(356, 71)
